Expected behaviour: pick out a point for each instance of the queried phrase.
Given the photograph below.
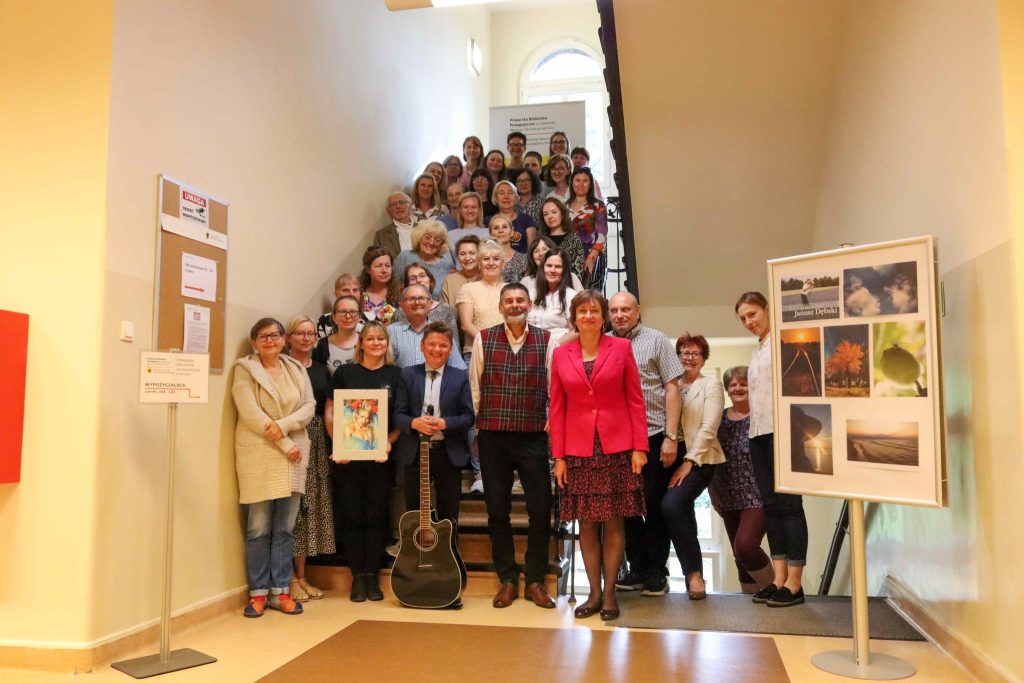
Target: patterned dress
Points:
(314, 527)
(734, 479)
(603, 486)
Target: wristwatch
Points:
(672, 437)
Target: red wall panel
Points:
(14, 332)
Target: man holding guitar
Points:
(433, 411)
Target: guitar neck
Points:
(424, 483)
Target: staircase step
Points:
(481, 582)
(476, 547)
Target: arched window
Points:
(572, 71)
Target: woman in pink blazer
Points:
(599, 442)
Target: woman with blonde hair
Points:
(429, 247)
(426, 198)
(314, 527)
(470, 220)
(515, 262)
(524, 230)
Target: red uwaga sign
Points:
(14, 332)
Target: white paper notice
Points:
(197, 329)
(198, 277)
(174, 377)
(193, 219)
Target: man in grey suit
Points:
(396, 236)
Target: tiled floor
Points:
(248, 649)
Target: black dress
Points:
(314, 527)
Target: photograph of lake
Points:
(882, 442)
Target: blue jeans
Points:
(269, 543)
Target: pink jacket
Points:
(611, 402)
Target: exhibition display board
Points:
(192, 271)
(857, 375)
(537, 122)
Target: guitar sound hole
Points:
(426, 538)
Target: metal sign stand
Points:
(186, 658)
(860, 663)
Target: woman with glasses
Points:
(417, 274)
(558, 143)
(452, 170)
(364, 491)
(557, 178)
(429, 247)
(703, 401)
(528, 186)
(589, 216)
(381, 290)
(514, 267)
(338, 348)
(524, 230)
(275, 402)
(314, 527)
(426, 198)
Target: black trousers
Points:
(502, 454)
(783, 512)
(647, 539)
(447, 479)
(681, 520)
(364, 489)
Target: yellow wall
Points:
(54, 95)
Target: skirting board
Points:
(88, 656)
(972, 661)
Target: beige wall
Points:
(519, 36)
(918, 145)
(54, 95)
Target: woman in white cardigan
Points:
(275, 402)
(703, 401)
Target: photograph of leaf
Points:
(899, 359)
(801, 361)
(880, 290)
(847, 368)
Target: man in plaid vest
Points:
(509, 381)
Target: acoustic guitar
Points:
(428, 572)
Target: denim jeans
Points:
(269, 543)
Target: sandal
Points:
(297, 592)
(312, 591)
(256, 607)
(284, 603)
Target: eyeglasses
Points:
(268, 337)
(432, 239)
(691, 354)
(303, 334)
(393, 205)
(417, 299)
(516, 145)
(347, 314)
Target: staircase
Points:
(331, 573)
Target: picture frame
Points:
(360, 424)
(856, 374)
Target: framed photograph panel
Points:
(856, 374)
(360, 424)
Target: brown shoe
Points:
(506, 594)
(540, 597)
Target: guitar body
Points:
(428, 572)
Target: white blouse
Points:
(551, 317)
(759, 384)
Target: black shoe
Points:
(358, 589)
(786, 598)
(654, 586)
(373, 591)
(455, 605)
(630, 581)
(765, 594)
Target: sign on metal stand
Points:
(170, 378)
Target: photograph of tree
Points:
(810, 297)
(882, 442)
(801, 361)
(847, 370)
(880, 290)
(810, 434)
(899, 359)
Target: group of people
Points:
(495, 352)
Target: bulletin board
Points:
(856, 374)
(192, 269)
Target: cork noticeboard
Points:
(192, 225)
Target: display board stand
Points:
(860, 663)
(167, 660)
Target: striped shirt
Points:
(658, 364)
(405, 345)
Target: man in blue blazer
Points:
(446, 390)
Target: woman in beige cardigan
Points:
(703, 400)
(275, 402)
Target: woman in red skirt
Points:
(599, 442)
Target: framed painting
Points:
(360, 424)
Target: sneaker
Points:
(786, 598)
(256, 607)
(478, 486)
(654, 586)
(283, 603)
(392, 549)
(630, 581)
(765, 594)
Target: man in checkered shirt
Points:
(509, 380)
